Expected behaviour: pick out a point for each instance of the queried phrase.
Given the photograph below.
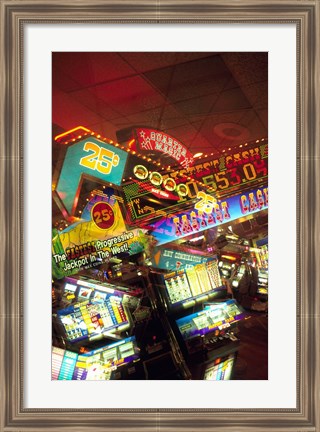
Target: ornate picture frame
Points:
(304, 14)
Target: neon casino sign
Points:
(209, 212)
(222, 176)
(147, 140)
(89, 158)
(99, 235)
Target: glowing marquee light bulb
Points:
(197, 155)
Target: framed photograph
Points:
(181, 74)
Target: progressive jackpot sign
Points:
(99, 235)
(208, 213)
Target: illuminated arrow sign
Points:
(89, 157)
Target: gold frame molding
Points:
(14, 15)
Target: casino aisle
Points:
(159, 216)
(252, 362)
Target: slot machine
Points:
(188, 287)
(184, 293)
(95, 311)
(100, 311)
(211, 334)
(262, 291)
(238, 276)
(113, 361)
(220, 368)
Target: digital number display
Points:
(221, 176)
(244, 174)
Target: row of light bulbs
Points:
(146, 158)
(133, 152)
(201, 156)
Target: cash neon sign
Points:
(208, 213)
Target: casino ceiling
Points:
(210, 102)
(213, 103)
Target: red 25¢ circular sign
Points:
(102, 215)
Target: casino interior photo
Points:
(159, 216)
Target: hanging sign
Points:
(227, 173)
(208, 213)
(148, 140)
(170, 259)
(92, 158)
(222, 176)
(151, 139)
(99, 235)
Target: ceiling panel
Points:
(205, 100)
(187, 134)
(96, 104)
(196, 108)
(230, 100)
(91, 68)
(129, 96)
(247, 68)
(148, 61)
(62, 80)
(193, 79)
(257, 94)
(68, 113)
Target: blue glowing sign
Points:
(209, 213)
(93, 158)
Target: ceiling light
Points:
(197, 155)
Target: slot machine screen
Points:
(93, 365)
(203, 277)
(117, 353)
(100, 363)
(220, 369)
(262, 282)
(214, 316)
(56, 359)
(84, 293)
(239, 275)
(68, 365)
(193, 283)
(87, 320)
(99, 297)
(70, 288)
(177, 287)
(69, 293)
